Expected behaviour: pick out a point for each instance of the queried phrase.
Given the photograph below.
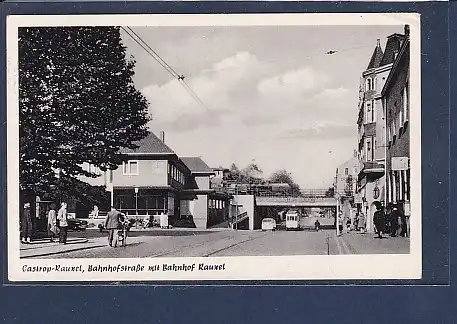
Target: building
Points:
(345, 184)
(371, 124)
(396, 105)
(153, 179)
(206, 205)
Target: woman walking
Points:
(361, 223)
(53, 230)
(63, 223)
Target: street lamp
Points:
(337, 216)
(136, 206)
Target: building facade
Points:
(152, 180)
(371, 124)
(396, 105)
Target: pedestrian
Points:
(63, 223)
(403, 224)
(26, 224)
(112, 224)
(53, 230)
(394, 216)
(317, 225)
(95, 212)
(379, 219)
(361, 223)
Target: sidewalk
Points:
(368, 243)
(43, 247)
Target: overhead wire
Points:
(143, 44)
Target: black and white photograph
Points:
(214, 147)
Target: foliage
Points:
(282, 176)
(330, 192)
(77, 103)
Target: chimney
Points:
(407, 31)
(378, 42)
(162, 136)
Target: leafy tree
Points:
(77, 103)
(282, 176)
(252, 174)
(330, 192)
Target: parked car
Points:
(76, 224)
(268, 224)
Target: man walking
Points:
(26, 224)
(379, 219)
(394, 216)
(112, 224)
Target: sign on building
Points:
(400, 163)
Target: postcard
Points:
(213, 147)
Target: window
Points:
(155, 167)
(130, 167)
(394, 128)
(369, 84)
(373, 112)
(369, 150)
(405, 103)
(368, 114)
(346, 171)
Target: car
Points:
(76, 224)
(268, 224)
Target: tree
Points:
(282, 176)
(252, 173)
(330, 192)
(77, 103)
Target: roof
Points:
(151, 144)
(197, 165)
(376, 57)
(393, 45)
(404, 51)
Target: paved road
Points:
(182, 243)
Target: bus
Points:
(292, 220)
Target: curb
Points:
(80, 248)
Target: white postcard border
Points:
(386, 266)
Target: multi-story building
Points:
(396, 106)
(152, 180)
(372, 127)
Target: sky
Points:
(270, 94)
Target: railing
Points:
(240, 217)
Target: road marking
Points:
(337, 243)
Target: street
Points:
(207, 243)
